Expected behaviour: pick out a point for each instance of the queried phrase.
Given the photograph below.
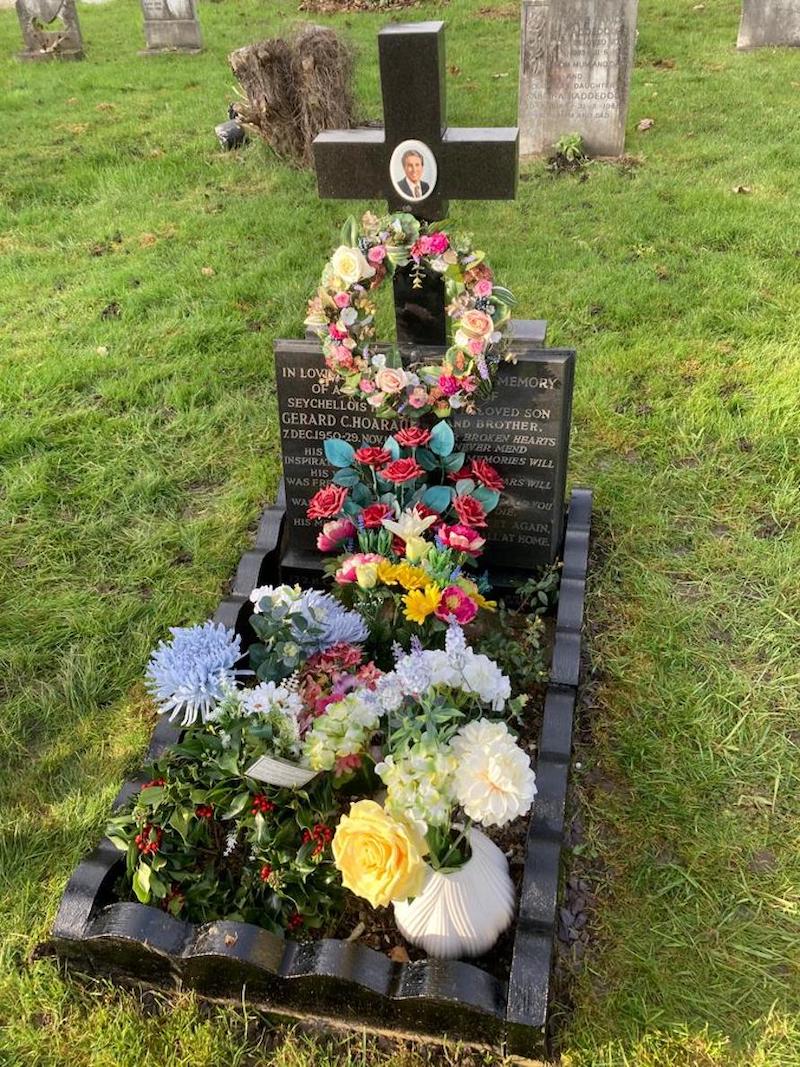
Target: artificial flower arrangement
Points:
(206, 838)
(343, 315)
(449, 763)
(407, 522)
(210, 837)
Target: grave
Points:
(769, 22)
(524, 429)
(575, 68)
(50, 29)
(171, 26)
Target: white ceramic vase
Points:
(462, 913)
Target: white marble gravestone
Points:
(50, 29)
(575, 70)
(769, 22)
(171, 26)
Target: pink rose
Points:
(462, 539)
(418, 397)
(390, 379)
(483, 288)
(476, 324)
(341, 300)
(377, 254)
(366, 386)
(333, 533)
(336, 333)
(455, 602)
(346, 574)
(449, 384)
(438, 243)
(475, 346)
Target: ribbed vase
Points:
(462, 913)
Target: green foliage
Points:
(516, 642)
(570, 149)
(198, 844)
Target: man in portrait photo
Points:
(412, 185)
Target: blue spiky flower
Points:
(191, 674)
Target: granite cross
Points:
(462, 163)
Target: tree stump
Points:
(295, 87)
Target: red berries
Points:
(265, 872)
(321, 835)
(204, 811)
(149, 840)
(295, 921)
(262, 805)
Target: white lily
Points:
(410, 524)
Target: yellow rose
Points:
(367, 575)
(422, 603)
(379, 857)
(417, 548)
(350, 265)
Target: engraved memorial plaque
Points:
(575, 69)
(523, 430)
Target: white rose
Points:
(350, 265)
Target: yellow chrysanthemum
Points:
(420, 603)
(387, 573)
(411, 577)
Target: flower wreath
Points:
(343, 316)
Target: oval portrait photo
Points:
(413, 170)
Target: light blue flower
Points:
(331, 624)
(192, 673)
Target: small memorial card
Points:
(282, 772)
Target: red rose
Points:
(402, 470)
(457, 476)
(485, 473)
(412, 437)
(327, 502)
(424, 511)
(372, 457)
(373, 516)
(470, 511)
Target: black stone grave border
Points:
(345, 983)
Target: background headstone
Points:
(50, 29)
(171, 26)
(523, 430)
(769, 22)
(575, 69)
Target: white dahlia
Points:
(494, 782)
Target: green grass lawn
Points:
(138, 446)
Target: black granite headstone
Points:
(522, 430)
(466, 164)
